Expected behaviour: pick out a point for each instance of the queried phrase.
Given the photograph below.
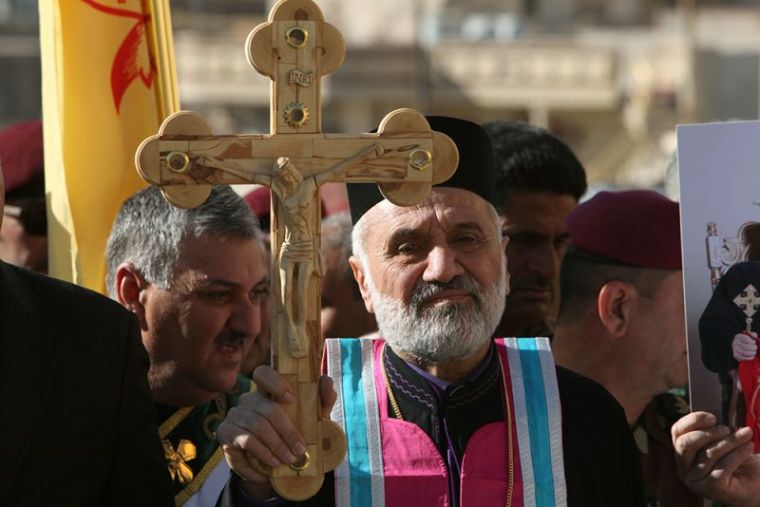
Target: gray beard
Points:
(445, 333)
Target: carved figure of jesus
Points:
(299, 251)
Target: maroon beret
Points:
(633, 227)
(21, 155)
(260, 201)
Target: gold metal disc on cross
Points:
(295, 48)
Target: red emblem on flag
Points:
(126, 66)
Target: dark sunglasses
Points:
(32, 215)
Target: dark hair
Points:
(750, 235)
(530, 159)
(582, 278)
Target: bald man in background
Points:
(343, 312)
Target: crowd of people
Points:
(513, 347)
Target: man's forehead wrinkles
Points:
(206, 281)
(400, 234)
(195, 278)
(416, 224)
(404, 232)
(446, 218)
(466, 225)
(225, 282)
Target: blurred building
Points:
(20, 96)
(612, 77)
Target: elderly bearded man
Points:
(452, 425)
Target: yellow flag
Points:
(108, 80)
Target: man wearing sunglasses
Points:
(23, 236)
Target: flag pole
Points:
(161, 42)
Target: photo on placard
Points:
(719, 175)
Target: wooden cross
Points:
(295, 48)
(748, 300)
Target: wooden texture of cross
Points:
(295, 48)
(748, 300)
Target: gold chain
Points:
(510, 450)
(391, 396)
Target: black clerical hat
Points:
(474, 173)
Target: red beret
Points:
(260, 201)
(634, 227)
(21, 154)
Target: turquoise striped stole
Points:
(359, 480)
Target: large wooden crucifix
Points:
(295, 48)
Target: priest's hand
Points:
(744, 346)
(258, 429)
(715, 462)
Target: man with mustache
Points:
(195, 280)
(443, 413)
(538, 182)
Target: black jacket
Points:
(77, 426)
